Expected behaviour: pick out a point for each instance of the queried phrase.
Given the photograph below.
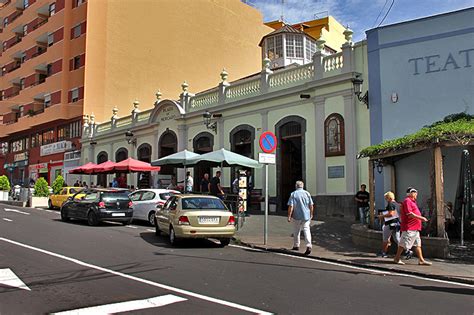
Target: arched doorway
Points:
(144, 154)
(102, 178)
(290, 132)
(120, 155)
(168, 144)
(242, 140)
(202, 143)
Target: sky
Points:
(360, 15)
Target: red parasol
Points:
(87, 168)
(132, 165)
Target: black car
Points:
(96, 205)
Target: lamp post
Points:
(357, 85)
(207, 120)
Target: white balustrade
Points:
(124, 121)
(244, 88)
(103, 127)
(142, 116)
(204, 99)
(289, 76)
(333, 62)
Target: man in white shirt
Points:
(189, 183)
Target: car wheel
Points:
(64, 216)
(157, 228)
(50, 204)
(173, 240)
(224, 242)
(92, 218)
(151, 218)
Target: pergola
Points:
(452, 132)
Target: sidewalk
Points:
(332, 242)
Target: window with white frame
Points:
(26, 3)
(25, 29)
(50, 39)
(52, 9)
(75, 129)
(290, 45)
(47, 100)
(5, 22)
(299, 46)
(274, 47)
(79, 2)
(310, 48)
(74, 95)
(76, 31)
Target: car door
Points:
(86, 203)
(147, 203)
(162, 215)
(61, 198)
(135, 197)
(73, 205)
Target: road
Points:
(71, 266)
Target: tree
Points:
(41, 188)
(4, 183)
(58, 185)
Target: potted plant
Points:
(31, 113)
(41, 194)
(58, 185)
(4, 187)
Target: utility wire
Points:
(380, 13)
(388, 11)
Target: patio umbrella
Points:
(132, 165)
(179, 159)
(105, 167)
(225, 158)
(83, 169)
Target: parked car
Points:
(56, 201)
(99, 204)
(195, 216)
(145, 202)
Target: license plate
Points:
(208, 220)
(118, 214)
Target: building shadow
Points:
(462, 291)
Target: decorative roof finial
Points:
(158, 95)
(185, 86)
(348, 34)
(224, 75)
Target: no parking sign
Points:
(268, 142)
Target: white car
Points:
(145, 202)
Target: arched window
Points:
(334, 135)
(121, 154)
(102, 178)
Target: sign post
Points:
(268, 144)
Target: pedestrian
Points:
(122, 181)
(115, 183)
(205, 183)
(362, 197)
(77, 184)
(411, 220)
(159, 183)
(391, 223)
(300, 210)
(189, 183)
(173, 183)
(215, 186)
(235, 183)
(84, 184)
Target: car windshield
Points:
(203, 203)
(74, 190)
(115, 195)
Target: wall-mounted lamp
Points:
(305, 96)
(131, 139)
(207, 120)
(93, 142)
(357, 84)
(379, 166)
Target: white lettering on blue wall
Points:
(437, 63)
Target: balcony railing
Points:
(3, 5)
(5, 97)
(37, 25)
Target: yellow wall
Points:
(135, 47)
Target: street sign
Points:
(268, 142)
(266, 158)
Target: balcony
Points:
(10, 118)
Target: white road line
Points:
(150, 230)
(127, 306)
(17, 211)
(149, 282)
(131, 227)
(363, 268)
(8, 220)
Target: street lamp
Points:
(357, 85)
(207, 120)
(130, 138)
(379, 165)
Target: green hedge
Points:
(58, 185)
(457, 128)
(41, 188)
(4, 183)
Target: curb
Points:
(349, 263)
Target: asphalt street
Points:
(127, 269)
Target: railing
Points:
(36, 54)
(205, 99)
(5, 97)
(123, 121)
(244, 88)
(290, 76)
(10, 20)
(37, 25)
(2, 5)
(333, 62)
(142, 116)
(104, 126)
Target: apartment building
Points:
(61, 59)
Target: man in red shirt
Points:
(410, 226)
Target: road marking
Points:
(17, 211)
(127, 306)
(149, 282)
(150, 230)
(8, 220)
(361, 268)
(9, 278)
(131, 227)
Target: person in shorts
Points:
(410, 227)
(391, 223)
